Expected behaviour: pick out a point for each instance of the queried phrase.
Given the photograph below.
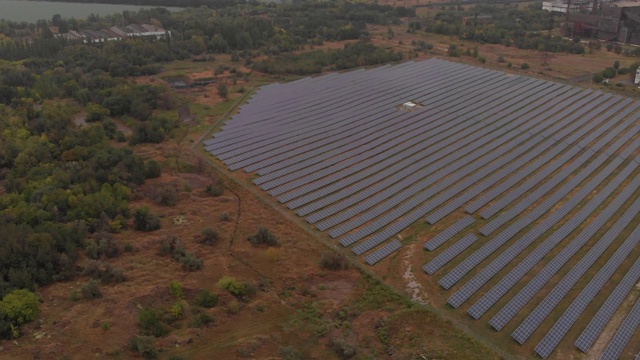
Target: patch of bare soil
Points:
(413, 287)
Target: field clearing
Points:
(565, 154)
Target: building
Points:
(559, 6)
(115, 33)
(613, 21)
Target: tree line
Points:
(523, 27)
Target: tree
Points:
(96, 112)
(20, 306)
(263, 236)
(223, 91)
(152, 169)
(145, 220)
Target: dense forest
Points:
(66, 188)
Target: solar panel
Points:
(383, 252)
(623, 335)
(536, 255)
(450, 232)
(531, 323)
(447, 255)
(340, 151)
(613, 302)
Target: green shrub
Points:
(501, 59)
(20, 306)
(207, 299)
(166, 194)
(177, 310)
(216, 187)
(331, 260)
(263, 236)
(172, 245)
(104, 272)
(225, 217)
(209, 237)
(191, 262)
(152, 169)
(103, 245)
(609, 73)
(151, 324)
(290, 353)
(91, 290)
(144, 346)
(597, 77)
(343, 349)
(524, 66)
(233, 286)
(145, 220)
(175, 289)
(623, 71)
(201, 320)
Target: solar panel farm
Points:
(519, 195)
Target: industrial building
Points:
(617, 21)
(114, 33)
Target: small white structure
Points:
(560, 6)
(637, 79)
(409, 105)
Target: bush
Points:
(263, 236)
(623, 71)
(177, 310)
(333, 261)
(20, 306)
(233, 286)
(103, 245)
(225, 216)
(191, 262)
(104, 272)
(145, 220)
(152, 169)
(207, 299)
(209, 237)
(453, 51)
(201, 320)
(166, 194)
(501, 59)
(144, 346)
(609, 73)
(216, 188)
(172, 245)
(151, 324)
(343, 349)
(597, 78)
(96, 112)
(290, 353)
(91, 290)
(175, 289)
(524, 66)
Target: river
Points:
(32, 11)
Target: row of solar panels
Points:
(339, 151)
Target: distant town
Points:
(113, 33)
